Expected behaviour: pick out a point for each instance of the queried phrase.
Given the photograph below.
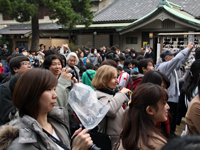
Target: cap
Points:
(21, 49)
(166, 52)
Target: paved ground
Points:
(180, 128)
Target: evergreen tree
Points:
(68, 12)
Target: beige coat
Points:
(115, 114)
(158, 144)
(192, 117)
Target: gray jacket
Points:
(62, 90)
(26, 133)
(93, 58)
(115, 114)
(169, 69)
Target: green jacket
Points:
(85, 78)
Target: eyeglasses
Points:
(26, 63)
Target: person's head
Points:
(192, 79)
(72, 59)
(64, 61)
(167, 55)
(104, 48)
(143, 50)
(50, 47)
(156, 77)
(197, 53)
(189, 142)
(120, 70)
(148, 106)
(134, 63)
(112, 55)
(109, 62)
(41, 46)
(49, 52)
(127, 49)
(122, 59)
(145, 65)
(113, 48)
(93, 50)
(105, 77)
(82, 70)
(16, 49)
(54, 64)
(90, 66)
(133, 52)
(127, 63)
(80, 54)
(19, 65)
(148, 45)
(22, 49)
(39, 95)
(139, 58)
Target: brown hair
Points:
(29, 89)
(137, 123)
(103, 75)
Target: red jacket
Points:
(1, 69)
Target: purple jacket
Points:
(6, 70)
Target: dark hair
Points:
(41, 45)
(63, 58)
(132, 51)
(13, 82)
(79, 54)
(189, 142)
(109, 62)
(192, 79)
(197, 53)
(82, 69)
(113, 48)
(140, 57)
(48, 61)
(134, 62)
(16, 48)
(144, 63)
(29, 89)
(92, 49)
(89, 65)
(127, 62)
(49, 52)
(137, 123)
(119, 68)
(16, 63)
(155, 77)
(122, 58)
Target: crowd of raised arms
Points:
(146, 100)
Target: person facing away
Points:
(89, 74)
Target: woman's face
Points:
(55, 67)
(87, 61)
(113, 82)
(82, 55)
(72, 61)
(162, 112)
(47, 100)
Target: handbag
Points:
(101, 140)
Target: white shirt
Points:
(55, 135)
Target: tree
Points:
(68, 12)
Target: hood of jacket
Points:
(91, 72)
(135, 76)
(26, 128)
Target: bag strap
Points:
(56, 140)
(88, 75)
(106, 125)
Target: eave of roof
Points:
(173, 11)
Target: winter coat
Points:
(26, 133)
(169, 69)
(62, 90)
(77, 71)
(115, 114)
(85, 78)
(136, 78)
(93, 58)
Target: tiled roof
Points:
(123, 10)
(42, 26)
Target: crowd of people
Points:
(146, 100)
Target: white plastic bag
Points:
(88, 108)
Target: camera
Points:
(72, 72)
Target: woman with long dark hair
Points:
(148, 106)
